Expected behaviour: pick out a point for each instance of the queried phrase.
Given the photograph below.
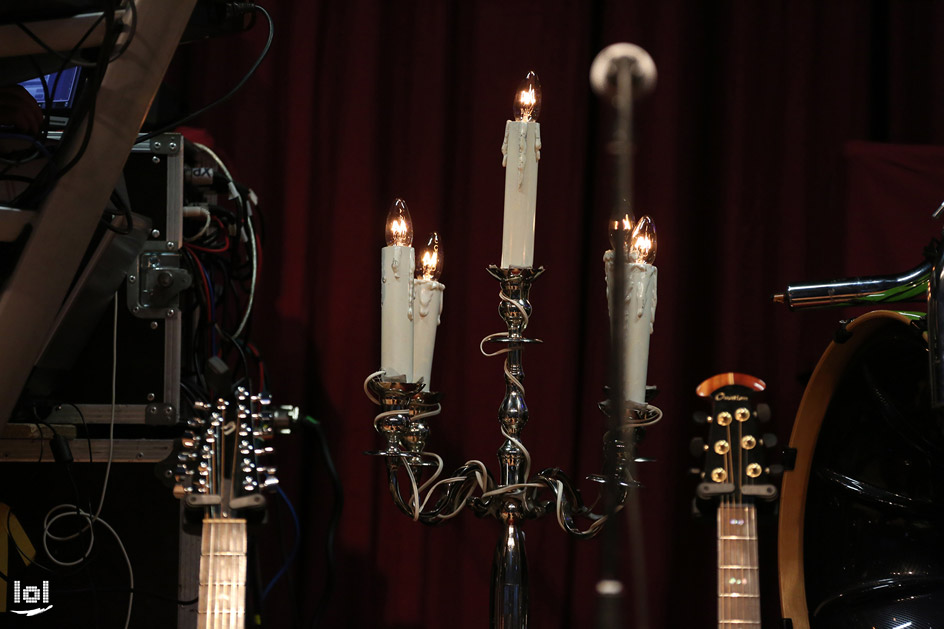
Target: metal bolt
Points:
(170, 313)
(150, 397)
(136, 309)
(156, 159)
(155, 233)
(132, 279)
(172, 146)
(153, 325)
(156, 144)
(139, 455)
(171, 245)
(168, 409)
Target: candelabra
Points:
(517, 495)
(398, 388)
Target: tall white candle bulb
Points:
(427, 307)
(521, 151)
(643, 242)
(639, 242)
(396, 295)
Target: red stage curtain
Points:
(741, 160)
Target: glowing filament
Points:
(643, 243)
(431, 259)
(527, 106)
(399, 231)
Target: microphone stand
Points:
(623, 68)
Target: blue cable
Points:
(294, 551)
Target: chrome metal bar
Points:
(907, 286)
(509, 600)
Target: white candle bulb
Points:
(640, 305)
(396, 295)
(427, 308)
(431, 259)
(399, 229)
(643, 242)
(527, 106)
(521, 151)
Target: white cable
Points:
(431, 413)
(234, 194)
(640, 423)
(370, 396)
(255, 268)
(130, 570)
(74, 510)
(69, 510)
(208, 220)
(111, 428)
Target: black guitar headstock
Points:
(734, 450)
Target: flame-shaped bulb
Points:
(621, 232)
(527, 106)
(430, 263)
(399, 231)
(643, 244)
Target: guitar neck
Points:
(222, 574)
(738, 583)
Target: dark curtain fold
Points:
(742, 160)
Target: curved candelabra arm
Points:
(457, 493)
(568, 503)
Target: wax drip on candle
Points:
(430, 259)
(399, 229)
(642, 247)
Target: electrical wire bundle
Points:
(223, 254)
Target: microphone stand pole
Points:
(610, 587)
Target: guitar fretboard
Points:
(738, 586)
(223, 574)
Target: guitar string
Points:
(729, 467)
(221, 461)
(739, 469)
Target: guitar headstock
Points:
(220, 469)
(734, 450)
